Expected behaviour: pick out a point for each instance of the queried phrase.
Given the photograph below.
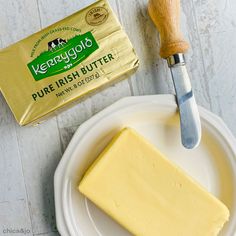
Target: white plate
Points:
(212, 164)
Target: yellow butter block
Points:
(147, 194)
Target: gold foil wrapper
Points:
(60, 65)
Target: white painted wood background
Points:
(29, 155)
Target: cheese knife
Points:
(166, 16)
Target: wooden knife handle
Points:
(166, 16)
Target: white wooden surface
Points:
(29, 155)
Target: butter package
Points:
(65, 62)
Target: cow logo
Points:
(58, 42)
(62, 55)
(96, 16)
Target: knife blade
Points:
(165, 15)
(189, 115)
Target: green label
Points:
(63, 57)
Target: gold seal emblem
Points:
(96, 16)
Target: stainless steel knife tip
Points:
(189, 116)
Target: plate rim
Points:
(163, 99)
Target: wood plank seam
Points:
(22, 171)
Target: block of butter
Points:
(147, 194)
(64, 62)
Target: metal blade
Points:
(189, 115)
